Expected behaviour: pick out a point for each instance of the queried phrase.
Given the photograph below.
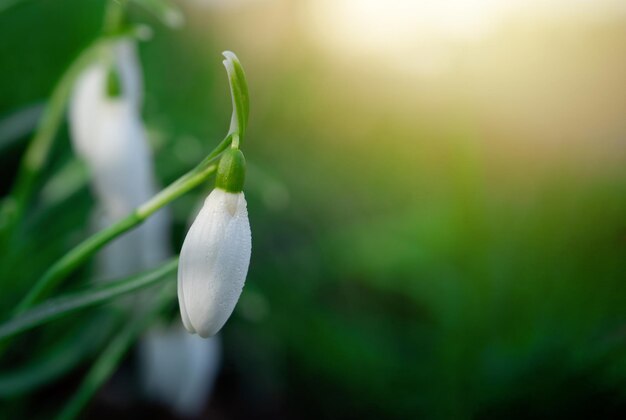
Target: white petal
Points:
(84, 107)
(214, 262)
(129, 68)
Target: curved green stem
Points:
(74, 258)
(114, 16)
(239, 94)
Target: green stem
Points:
(74, 258)
(113, 353)
(114, 16)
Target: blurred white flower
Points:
(179, 369)
(214, 262)
(108, 134)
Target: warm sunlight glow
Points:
(405, 30)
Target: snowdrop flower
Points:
(216, 252)
(108, 134)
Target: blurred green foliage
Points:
(396, 271)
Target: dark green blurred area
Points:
(411, 258)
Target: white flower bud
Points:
(214, 262)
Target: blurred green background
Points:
(437, 195)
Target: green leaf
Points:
(239, 94)
(105, 365)
(15, 126)
(164, 10)
(96, 295)
(54, 361)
